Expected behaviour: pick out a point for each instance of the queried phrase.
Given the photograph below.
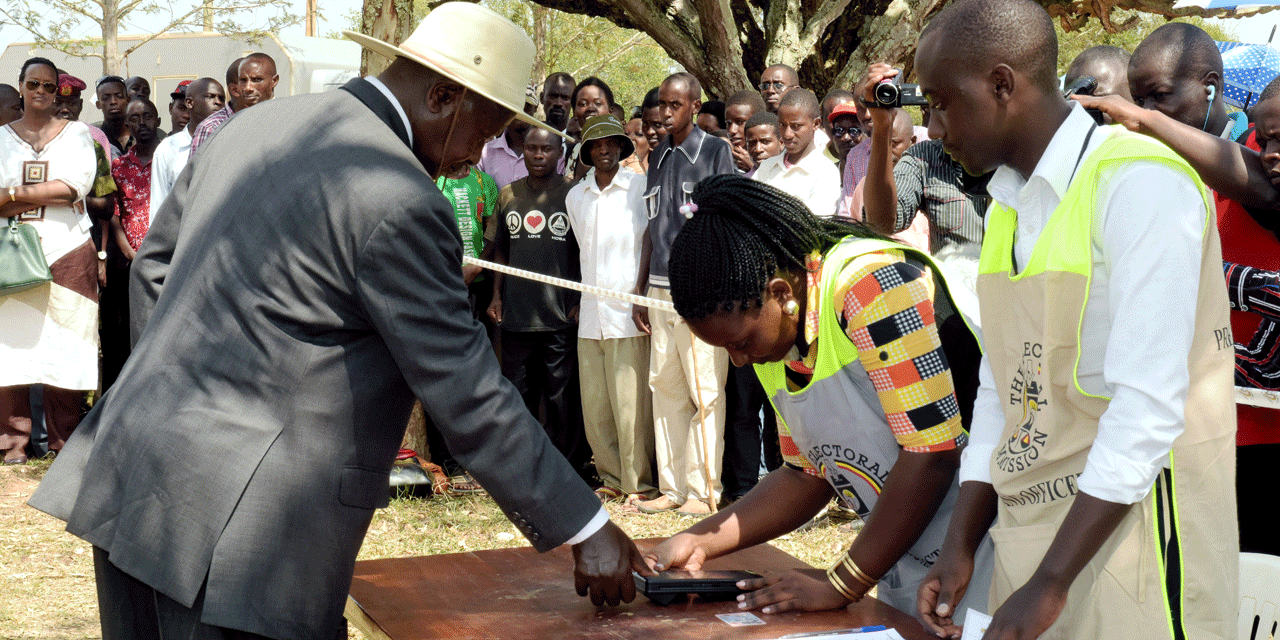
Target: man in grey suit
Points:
(293, 302)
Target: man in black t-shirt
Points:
(538, 322)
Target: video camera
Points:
(892, 93)
(1085, 86)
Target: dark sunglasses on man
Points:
(840, 132)
(777, 85)
(49, 87)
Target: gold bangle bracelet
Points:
(840, 586)
(858, 574)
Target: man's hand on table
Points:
(602, 566)
(794, 590)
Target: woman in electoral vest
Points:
(861, 351)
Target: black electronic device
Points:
(674, 584)
(892, 93)
(1085, 86)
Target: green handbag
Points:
(22, 263)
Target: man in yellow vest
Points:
(1102, 444)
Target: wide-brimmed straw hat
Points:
(474, 46)
(605, 126)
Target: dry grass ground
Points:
(46, 575)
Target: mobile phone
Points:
(674, 584)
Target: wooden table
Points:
(519, 593)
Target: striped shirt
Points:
(208, 126)
(885, 307)
(929, 180)
(1256, 291)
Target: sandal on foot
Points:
(609, 494)
(465, 484)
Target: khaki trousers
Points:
(687, 454)
(617, 410)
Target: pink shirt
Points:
(855, 169)
(501, 162)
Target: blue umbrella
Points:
(1247, 70)
(1221, 4)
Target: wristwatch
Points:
(13, 194)
(102, 255)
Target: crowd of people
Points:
(93, 201)
(838, 329)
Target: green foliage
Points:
(1070, 44)
(630, 61)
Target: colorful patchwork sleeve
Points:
(885, 304)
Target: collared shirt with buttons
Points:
(813, 179)
(674, 170)
(1148, 226)
(501, 162)
(609, 224)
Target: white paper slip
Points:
(739, 619)
(975, 624)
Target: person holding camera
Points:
(925, 180)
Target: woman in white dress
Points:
(50, 333)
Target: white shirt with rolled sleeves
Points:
(610, 225)
(814, 179)
(1139, 318)
(169, 159)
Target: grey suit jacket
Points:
(306, 279)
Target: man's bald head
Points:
(775, 82)
(804, 101)
(692, 88)
(1184, 48)
(748, 98)
(788, 72)
(902, 135)
(988, 68)
(204, 96)
(1108, 65)
(902, 123)
(980, 34)
(258, 79)
(1177, 71)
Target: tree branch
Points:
(630, 44)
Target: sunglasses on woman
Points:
(49, 87)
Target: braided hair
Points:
(741, 233)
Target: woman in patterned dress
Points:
(50, 333)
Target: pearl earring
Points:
(791, 307)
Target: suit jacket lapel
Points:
(378, 104)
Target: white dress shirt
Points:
(167, 162)
(814, 179)
(610, 224)
(1139, 319)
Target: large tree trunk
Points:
(110, 43)
(389, 21)
(727, 44)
